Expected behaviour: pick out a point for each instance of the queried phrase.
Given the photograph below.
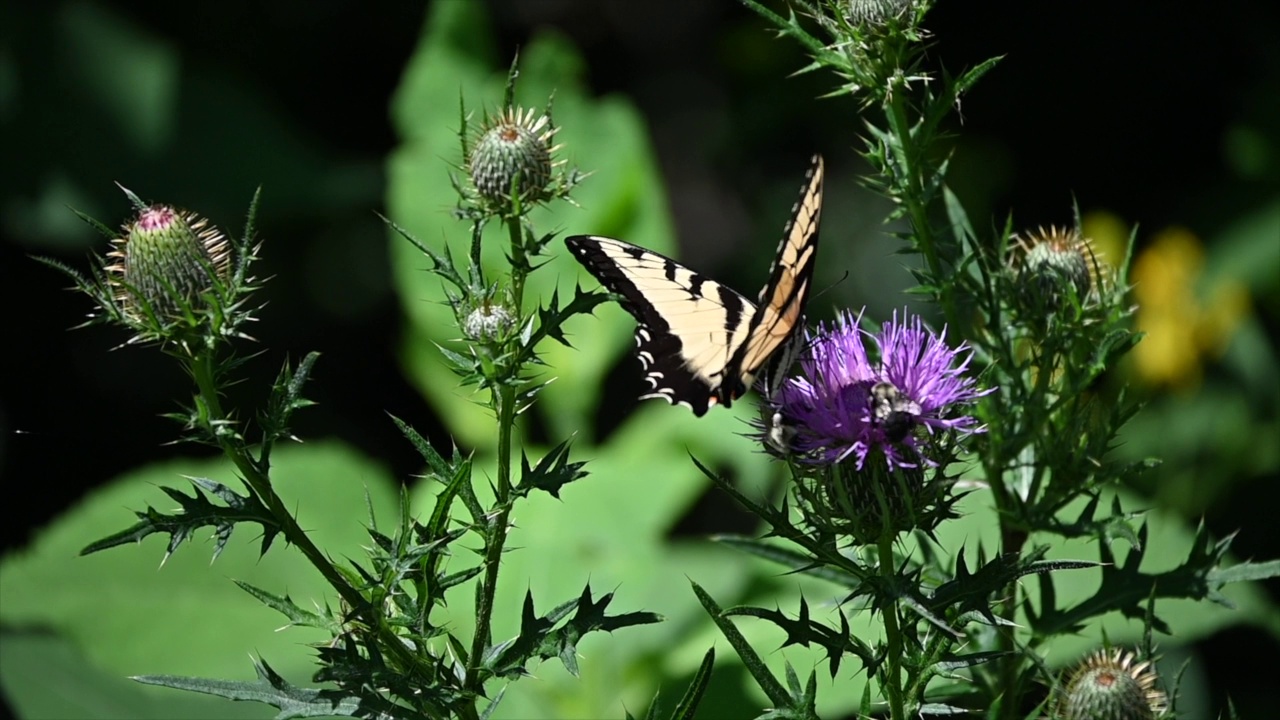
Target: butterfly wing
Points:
(700, 342)
(688, 326)
(773, 329)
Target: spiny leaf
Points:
(688, 705)
(435, 461)
(970, 77)
(798, 562)
(958, 662)
(1125, 588)
(285, 398)
(553, 472)
(551, 319)
(804, 631)
(544, 636)
(285, 606)
(273, 690)
(755, 665)
(197, 510)
(441, 263)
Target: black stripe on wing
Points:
(686, 322)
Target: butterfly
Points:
(700, 342)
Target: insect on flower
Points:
(843, 404)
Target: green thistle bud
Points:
(876, 12)
(488, 323)
(165, 261)
(514, 149)
(1050, 261)
(1109, 685)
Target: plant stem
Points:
(910, 194)
(518, 260)
(201, 367)
(1010, 663)
(504, 399)
(496, 535)
(891, 678)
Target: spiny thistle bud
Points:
(165, 261)
(876, 12)
(1109, 685)
(515, 148)
(488, 323)
(1050, 260)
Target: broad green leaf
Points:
(132, 77)
(130, 616)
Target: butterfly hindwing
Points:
(700, 342)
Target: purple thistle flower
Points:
(843, 404)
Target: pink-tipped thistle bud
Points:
(165, 261)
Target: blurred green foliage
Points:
(130, 107)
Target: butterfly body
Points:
(700, 342)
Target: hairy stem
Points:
(202, 370)
(910, 186)
(1011, 663)
(518, 261)
(256, 475)
(496, 535)
(891, 676)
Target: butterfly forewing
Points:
(782, 300)
(700, 342)
(686, 326)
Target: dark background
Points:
(1123, 106)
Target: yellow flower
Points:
(1180, 327)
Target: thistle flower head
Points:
(1109, 684)
(164, 262)
(844, 404)
(513, 148)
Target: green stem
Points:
(496, 536)
(201, 367)
(891, 678)
(518, 260)
(1011, 541)
(910, 194)
(258, 481)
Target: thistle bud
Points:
(876, 12)
(1050, 261)
(488, 323)
(515, 148)
(165, 261)
(1109, 685)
